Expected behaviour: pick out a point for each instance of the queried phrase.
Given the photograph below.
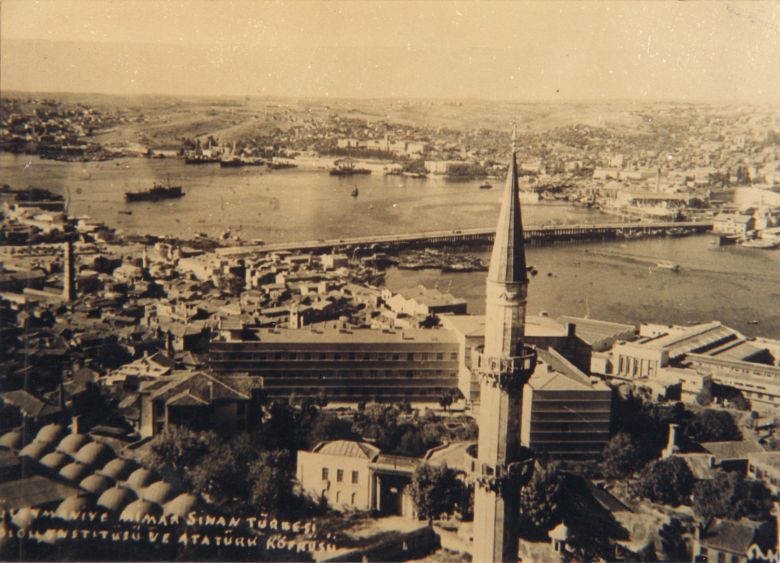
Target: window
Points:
(409, 373)
(453, 355)
(354, 478)
(396, 356)
(410, 356)
(322, 355)
(425, 356)
(351, 356)
(277, 355)
(336, 356)
(324, 473)
(292, 355)
(721, 557)
(339, 475)
(366, 356)
(307, 355)
(439, 355)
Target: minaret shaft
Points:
(504, 364)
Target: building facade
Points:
(343, 364)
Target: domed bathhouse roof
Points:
(72, 443)
(181, 505)
(50, 433)
(11, 440)
(140, 478)
(119, 469)
(35, 450)
(116, 498)
(158, 492)
(55, 460)
(96, 484)
(72, 505)
(94, 454)
(75, 471)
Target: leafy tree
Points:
(730, 496)
(328, 427)
(622, 456)
(540, 499)
(713, 426)
(271, 480)
(668, 481)
(445, 400)
(435, 490)
(177, 450)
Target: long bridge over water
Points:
(477, 237)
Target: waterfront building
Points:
(564, 415)
(505, 364)
(421, 301)
(733, 223)
(343, 363)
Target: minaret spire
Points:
(507, 262)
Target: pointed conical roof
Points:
(507, 262)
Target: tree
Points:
(668, 481)
(713, 426)
(271, 482)
(177, 450)
(327, 427)
(435, 490)
(730, 496)
(540, 499)
(705, 396)
(622, 456)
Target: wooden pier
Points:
(476, 237)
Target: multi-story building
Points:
(564, 415)
(344, 364)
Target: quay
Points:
(477, 237)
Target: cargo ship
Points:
(156, 193)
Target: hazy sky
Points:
(502, 50)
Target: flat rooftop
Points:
(330, 335)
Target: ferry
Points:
(667, 265)
(156, 193)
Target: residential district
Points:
(160, 386)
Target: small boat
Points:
(667, 265)
(355, 192)
(486, 186)
(125, 212)
(752, 322)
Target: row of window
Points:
(340, 476)
(326, 374)
(304, 356)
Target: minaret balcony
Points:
(499, 478)
(508, 373)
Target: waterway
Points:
(616, 281)
(279, 206)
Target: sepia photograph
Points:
(384, 281)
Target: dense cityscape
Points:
(389, 282)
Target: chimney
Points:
(61, 395)
(75, 425)
(69, 281)
(145, 260)
(671, 445)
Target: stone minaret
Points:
(504, 365)
(69, 274)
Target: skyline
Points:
(493, 51)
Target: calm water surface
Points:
(614, 281)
